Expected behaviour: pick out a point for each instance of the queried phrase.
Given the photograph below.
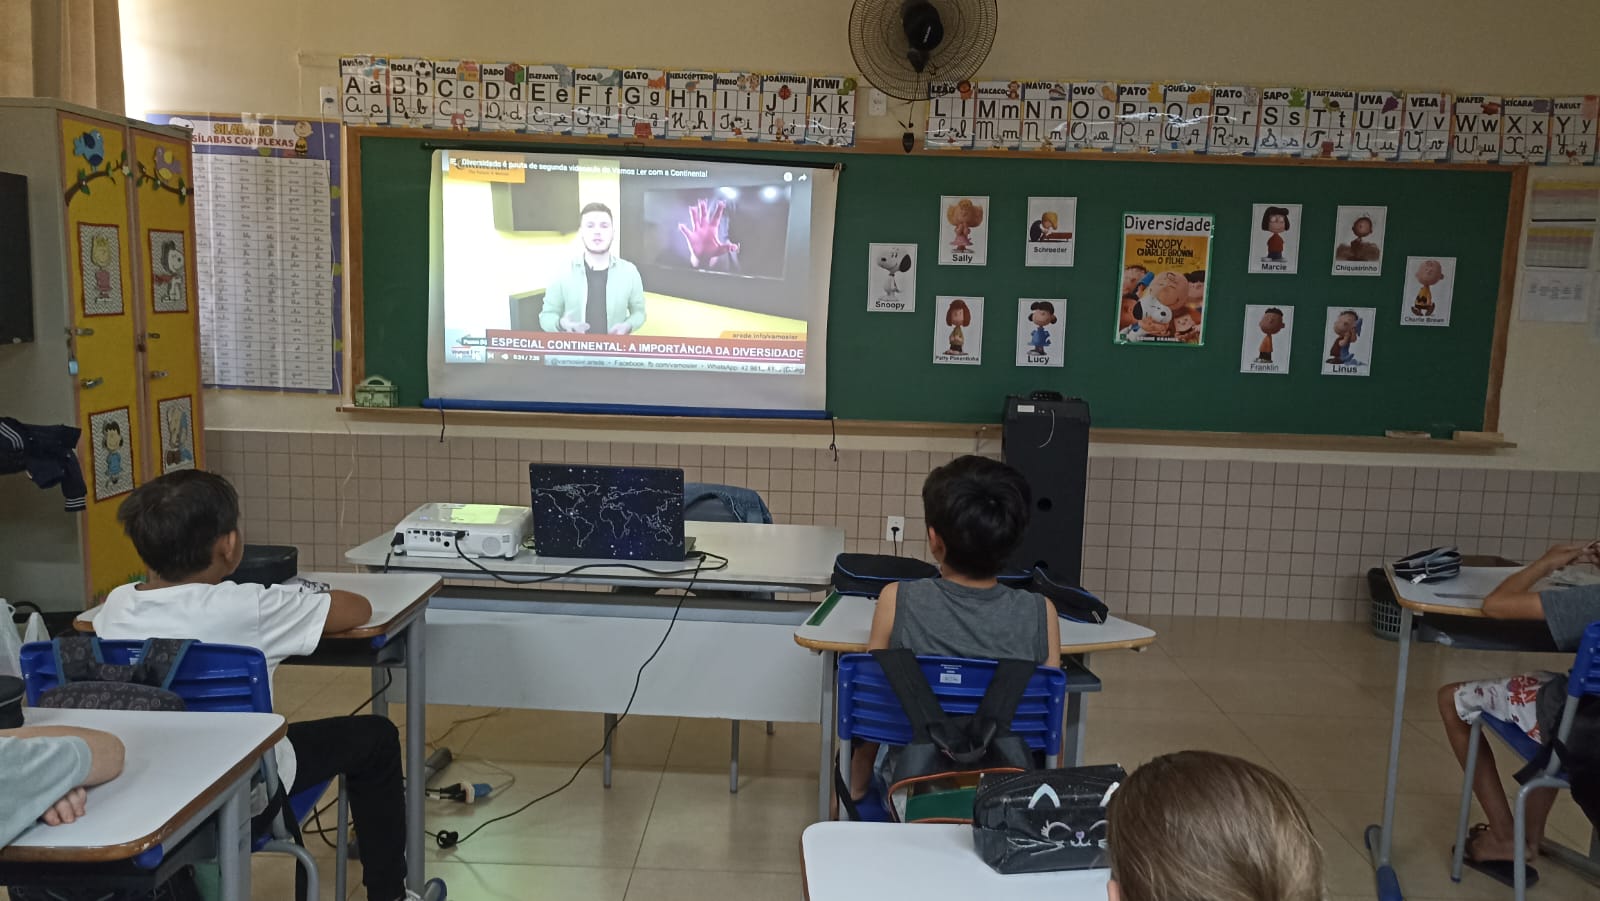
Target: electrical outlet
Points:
(877, 102)
(895, 529)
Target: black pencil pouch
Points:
(865, 575)
(1045, 820)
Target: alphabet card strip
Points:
(997, 116)
(1426, 125)
(738, 104)
(1094, 116)
(1046, 115)
(1185, 117)
(644, 103)
(1475, 137)
(1572, 130)
(1139, 128)
(596, 102)
(1330, 121)
(1235, 111)
(950, 111)
(1377, 131)
(1525, 131)
(691, 102)
(1282, 131)
(831, 112)
(783, 108)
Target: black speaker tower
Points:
(1046, 438)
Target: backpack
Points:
(934, 777)
(866, 575)
(87, 682)
(1580, 753)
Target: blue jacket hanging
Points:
(48, 454)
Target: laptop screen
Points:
(607, 512)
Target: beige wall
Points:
(193, 55)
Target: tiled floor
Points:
(1310, 700)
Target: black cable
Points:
(447, 839)
(316, 813)
(531, 580)
(388, 680)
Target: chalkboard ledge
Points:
(1482, 443)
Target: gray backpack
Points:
(88, 682)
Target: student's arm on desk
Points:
(1515, 598)
(346, 610)
(105, 750)
(883, 618)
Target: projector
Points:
(469, 530)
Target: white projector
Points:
(469, 530)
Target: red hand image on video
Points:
(705, 244)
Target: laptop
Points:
(607, 512)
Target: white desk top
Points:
(397, 599)
(844, 625)
(930, 862)
(1461, 596)
(176, 764)
(760, 558)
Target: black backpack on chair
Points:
(935, 775)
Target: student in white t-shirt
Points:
(185, 526)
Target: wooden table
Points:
(842, 624)
(180, 771)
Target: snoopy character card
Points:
(892, 278)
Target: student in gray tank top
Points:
(977, 510)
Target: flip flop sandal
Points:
(1501, 871)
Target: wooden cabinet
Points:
(116, 352)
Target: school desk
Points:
(180, 771)
(926, 861)
(729, 657)
(1459, 597)
(399, 603)
(842, 624)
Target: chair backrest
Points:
(1585, 676)
(215, 678)
(869, 709)
(709, 502)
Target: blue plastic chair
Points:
(1582, 681)
(212, 678)
(870, 710)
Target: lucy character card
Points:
(1268, 339)
(1051, 224)
(1430, 285)
(963, 231)
(892, 278)
(1275, 243)
(958, 330)
(1040, 324)
(111, 440)
(1163, 291)
(1358, 240)
(1347, 339)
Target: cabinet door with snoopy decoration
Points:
(163, 187)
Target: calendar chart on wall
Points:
(268, 254)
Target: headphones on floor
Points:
(1432, 565)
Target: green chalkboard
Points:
(881, 364)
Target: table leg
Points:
(1388, 883)
(380, 697)
(826, 721)
(605, 761)
(1072, 733)
(733, 762)
(416, 753)
(233, 842)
